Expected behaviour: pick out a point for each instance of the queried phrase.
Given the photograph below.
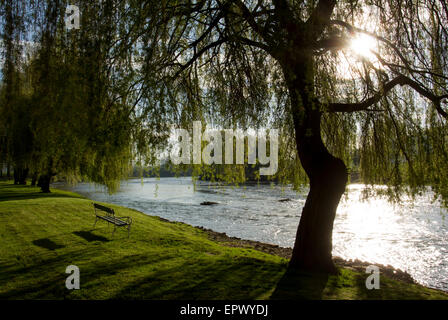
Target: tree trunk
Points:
(8, 171)
(313, 245)
(34, 179)
(45, 179)
(16, 175)
(327, 174)
(23, 176)
(20, 175)
(44, 183)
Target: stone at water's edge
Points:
(208, 203)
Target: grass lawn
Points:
(41, 234)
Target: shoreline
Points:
(355, 265)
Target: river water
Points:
(412, 236)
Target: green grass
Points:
(41, 234)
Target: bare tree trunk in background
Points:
(34, 179)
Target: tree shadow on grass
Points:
(47, 244)
(300, 285)
(26, 192)
(90, 237)
(214, 279)
(48, 276)
(149, 275)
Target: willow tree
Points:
(15, 120)
(307, 68)
(81, 129)
(80, 92)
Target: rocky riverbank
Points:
(356, 265)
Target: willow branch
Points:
(198, 54)
(332, 43)
(250, 19)
(400, 80)
(321, 15)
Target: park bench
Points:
(108, 215)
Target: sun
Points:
(364, 45)
(361, 49)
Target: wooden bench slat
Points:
(113, 220)
(103, 208)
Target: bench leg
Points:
(96, 219)
(129, 230)
(114, 231)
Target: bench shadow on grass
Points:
(47, 244)
(300, 285)
(90, 237)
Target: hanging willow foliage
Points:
(104, 96)
(383, 114)
(73, 93)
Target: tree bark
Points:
(16, 175)
(20, 175)
(313, 244)
(327, 174)
(34, 179)
(23, 176)
(44, 183)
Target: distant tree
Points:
(80, 106)
(15, 120)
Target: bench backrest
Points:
(109, 211)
